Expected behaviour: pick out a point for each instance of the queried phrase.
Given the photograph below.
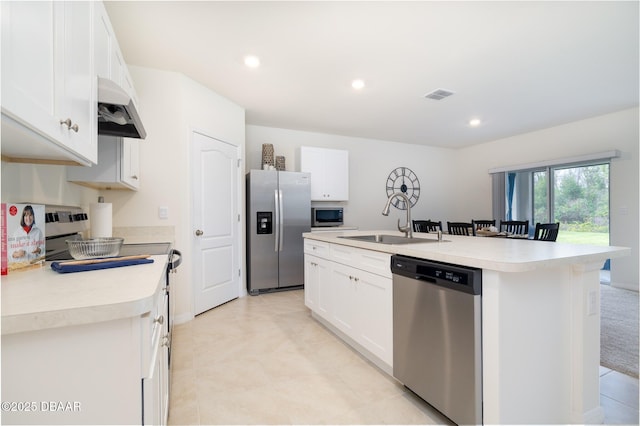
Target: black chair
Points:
(460, 228)
(515, 227)
(426, 226)
(482, 224)
(546, 231)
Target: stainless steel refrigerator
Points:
(278, 212)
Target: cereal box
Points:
(3, 237)
(25, 235)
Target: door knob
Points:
(199, 232)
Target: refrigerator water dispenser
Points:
(265, 223)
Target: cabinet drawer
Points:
(367, 260)
(316, 248)
(375, 262)
(344, 254)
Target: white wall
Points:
(171, 105)
(370, 162)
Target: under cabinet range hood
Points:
(117, 115)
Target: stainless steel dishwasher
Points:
(437, 341)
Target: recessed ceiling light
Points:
(357, 84)
(252, 61)
(474, 122)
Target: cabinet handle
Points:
(199, 233)
(134, 177)
(66, 122)
(165, 341)
(159, 320)
(75, 128)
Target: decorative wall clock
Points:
(403, 179)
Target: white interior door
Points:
(216, 232)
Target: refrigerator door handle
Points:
(276, 222)
(281, 224)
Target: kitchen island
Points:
(540, 316)
(85, 347)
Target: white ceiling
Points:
(518, 66)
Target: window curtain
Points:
(511, 183)
(498, 195)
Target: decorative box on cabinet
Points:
(117, 168)
(329, 170)
(49, 89)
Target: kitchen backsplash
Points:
(145, 234)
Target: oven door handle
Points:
(173, 262)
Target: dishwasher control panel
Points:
(463, 278)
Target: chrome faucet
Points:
(408, 231)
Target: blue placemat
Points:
(63, 269)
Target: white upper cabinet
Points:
(329, 170)
(108, 57)
(117, 168)
(118, 158)
(49, 89)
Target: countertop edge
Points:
(130, 306)
(442, 251)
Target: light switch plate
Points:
(163, 212)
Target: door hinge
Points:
(239, 273)
(239, 162)
(238, 217)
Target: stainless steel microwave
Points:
(326, 216)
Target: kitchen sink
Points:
(388, 239)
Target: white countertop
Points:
(499, 254)
(42, 298)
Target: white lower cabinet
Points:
(112, 372)
(363, 309)
(318, 294)
(352, 290)
(311, 281)
(345, 304)
(155, 384)
(374, 296)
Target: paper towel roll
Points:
(100, 217)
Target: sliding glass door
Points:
(577, 196)
(580, 202)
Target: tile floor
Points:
(264, 360)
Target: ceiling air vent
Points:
(438, 94)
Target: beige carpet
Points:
(619, 330)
